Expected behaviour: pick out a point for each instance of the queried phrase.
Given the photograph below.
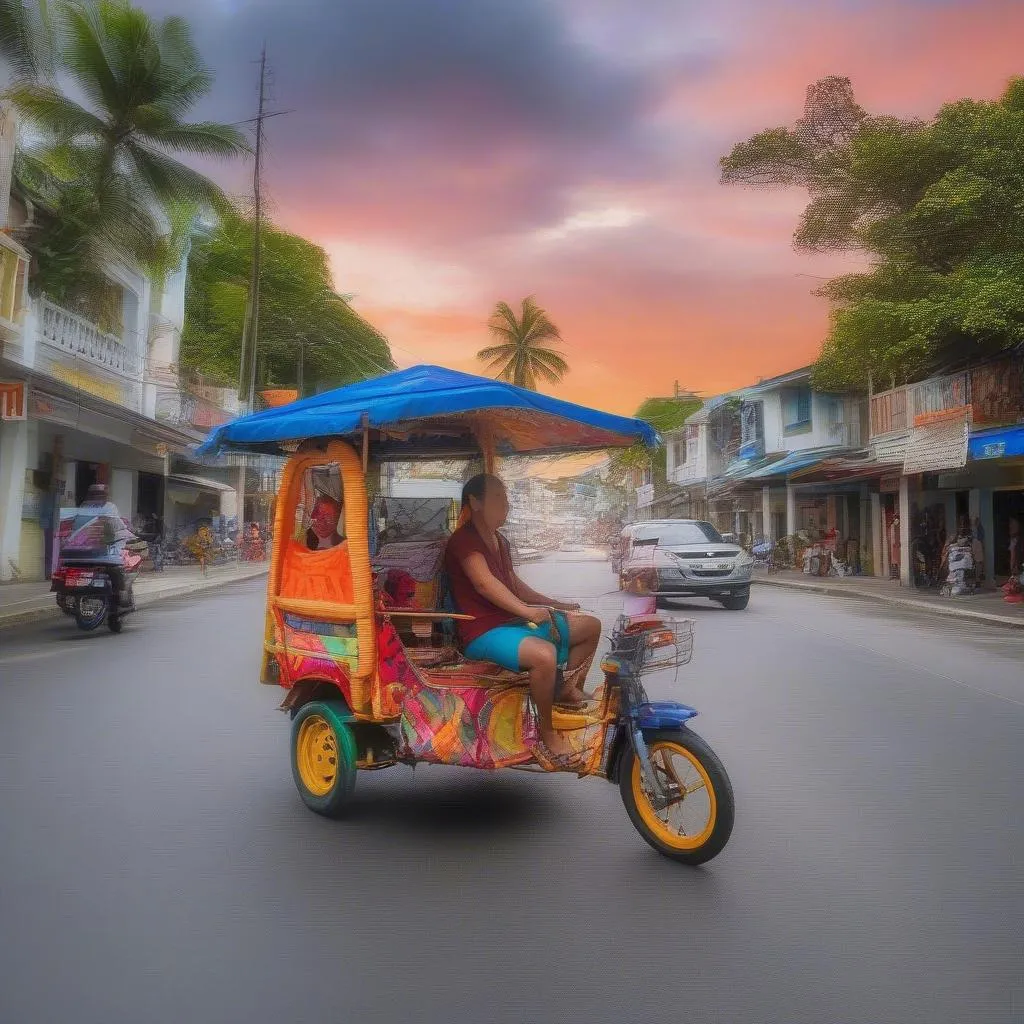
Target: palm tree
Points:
(104, 168)
(521, 356)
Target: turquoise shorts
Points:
(501, 644)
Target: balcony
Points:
(889, 412)
(844, 433)
(79, 339)
(994, 392)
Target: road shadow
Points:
(447, 806)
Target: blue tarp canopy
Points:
(792, 463)
(1001, 443)
(432, 412)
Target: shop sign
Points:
(995, 450)
(645, 496)
(889, 484)
(89, 383)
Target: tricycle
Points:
(362, 643)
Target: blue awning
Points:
(424, 402)
(1001, 443)
(792, 463)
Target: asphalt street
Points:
(156, 864)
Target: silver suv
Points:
(686, 558)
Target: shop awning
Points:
(200, 482)
(1001, 443)
(792, 463)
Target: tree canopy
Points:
(665, 415)
(934, 206)
(299, 309)
(524, 353)
(102, 171)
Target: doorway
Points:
(1006, 505)
(87, 474)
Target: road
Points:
(157, 866)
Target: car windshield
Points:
(675, 534)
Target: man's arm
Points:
(531, 596)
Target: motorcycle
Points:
(96, 571)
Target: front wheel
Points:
(323, 757)
(736, 602)
(697, 823)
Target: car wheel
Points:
(736, 602)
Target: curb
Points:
(951, 611)
(51, 611)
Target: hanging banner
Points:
(941, 444)
(645, 496)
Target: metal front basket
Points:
(669, 645)
(652, 643)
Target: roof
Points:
(202, 482)
(781, 379)
(419, 412)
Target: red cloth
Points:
(462, 543)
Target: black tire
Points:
(725, 806)
(90, 622)
(736, 602)
(336, 750)
(115, 623)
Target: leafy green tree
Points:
(302, 319)
(665, 415)
(523, 353)
(103, 168)
(935, 208)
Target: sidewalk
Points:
(24, 602)
(984, 606)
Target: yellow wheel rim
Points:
(316, 755)
(689, 820)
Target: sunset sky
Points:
(449, 153)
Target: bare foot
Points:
(557, 744)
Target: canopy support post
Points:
(366, 442)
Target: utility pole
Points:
(247, 373)
(250, 334)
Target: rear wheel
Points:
(323, 757)
(115, 623)
(736, 602)
(697, 823)
(90, 613)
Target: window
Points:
(679, 455)
(12, 283)
(672, 534)
(319, 517)
(796, 410)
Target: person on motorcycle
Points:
(513, 623)
(97, 503)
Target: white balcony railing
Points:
(78, 338)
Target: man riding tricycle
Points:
(433, 650)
